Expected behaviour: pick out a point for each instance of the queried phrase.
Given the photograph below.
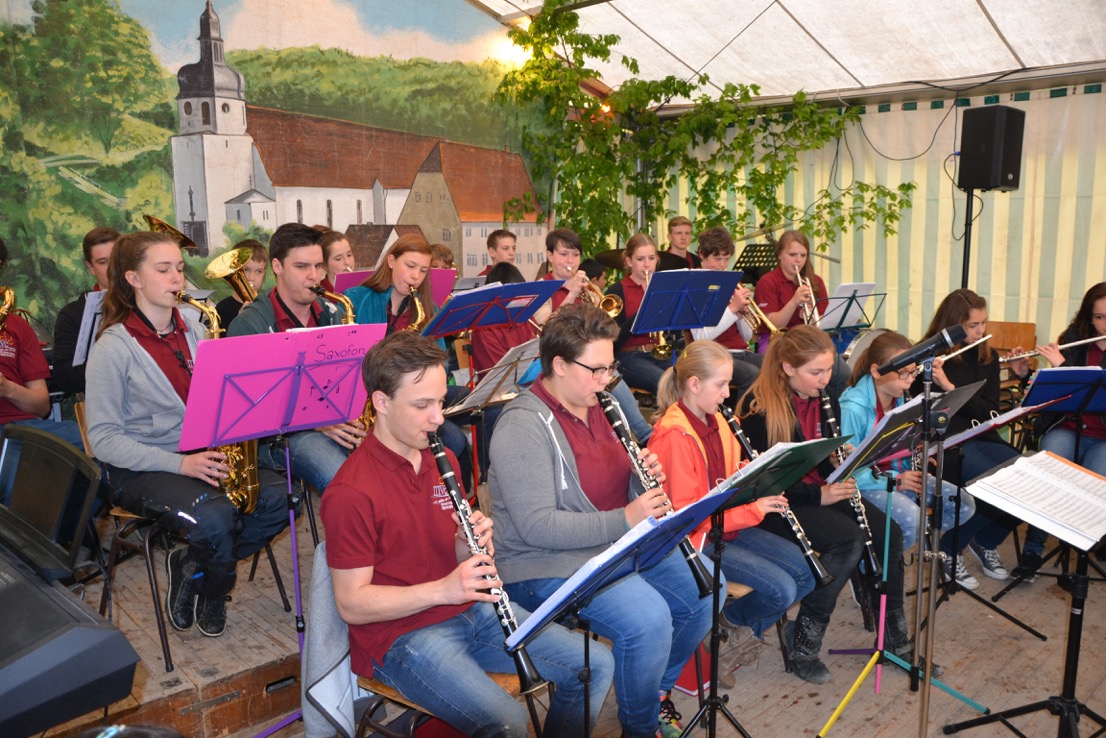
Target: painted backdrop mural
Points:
(228, 118)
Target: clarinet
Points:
(528, 677)
(614, 415)
(870, 558)
(820, 572)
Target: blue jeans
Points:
(654, 619)
(66, 430)
(904, 510)
(989, 526)
(441, 667)
(641, 370)
(1092, 455)
(776, 570)
(315, 458)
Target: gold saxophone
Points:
(347, 305)
(419, 321)
(7, 305)
(242, 484)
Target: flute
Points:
(528, 677)
(957, 352)
(1035, 352)
(870, 557)
(820, 572)
(614, 415)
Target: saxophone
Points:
(419, 321)
(242, 484)
(7, 305)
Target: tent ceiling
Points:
(843, 46)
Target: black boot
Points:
(803, 638)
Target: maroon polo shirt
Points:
(1093, 425)
(285, 320)
(490, 344)
(731, 338)
(379, 512)
(169, 351)
(601, 461)
(21, 361)
(775, 289)
(809, 412)
(560, 295)
(632, 295)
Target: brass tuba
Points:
(157, 225)
(230, 266)
(242, 484)
(7, 304)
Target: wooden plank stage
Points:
(248, 678)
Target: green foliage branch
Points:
(600, 153)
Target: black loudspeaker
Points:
(991, 148)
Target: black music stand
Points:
(1065, 705)
(756, 259)
(1068, 389)
(272, 384)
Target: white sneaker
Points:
(963, 577)
(989, 558)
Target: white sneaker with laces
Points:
(989, 558)
(963, 577)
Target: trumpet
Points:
(610, 304)
(1035, 352)
(615, 417)
(810, 310)
(820, 573)
(756, 319)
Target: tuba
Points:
(157, 225)
(230, 266)
(242, 484)
(7, 304)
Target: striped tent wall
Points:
(1034, 251)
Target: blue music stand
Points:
(685, 299)
(490, 306)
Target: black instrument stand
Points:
(714, 704)
(1065, 706)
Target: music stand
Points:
(503, 381)
(652, 539)
(756, 259)
(1009, 496)
(273, 384)
(1067, 389)
(490, 306)
(684, 299)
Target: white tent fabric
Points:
(825, 47)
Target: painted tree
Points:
(90, 64)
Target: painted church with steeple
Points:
(238, 163)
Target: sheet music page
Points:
(1058, 496)
(90, 323)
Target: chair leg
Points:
(276, 576)
(114, 557)
(780, 624)
(253, 566)
(158, 612)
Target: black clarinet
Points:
(528, 677)
(614, 415)
(870, 557)
(820, 573)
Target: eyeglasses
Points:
(599, 371)
(905, 374)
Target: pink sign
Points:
(441, 282)
(252, 386)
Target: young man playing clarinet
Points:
(417, 601)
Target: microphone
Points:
(948, 337)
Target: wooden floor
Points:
(247, 679)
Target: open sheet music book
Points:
(1052, 493)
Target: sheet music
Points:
(90, 324)
(1052, 493)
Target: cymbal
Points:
(613, 259)
(759, 232)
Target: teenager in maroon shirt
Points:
(633, 350)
